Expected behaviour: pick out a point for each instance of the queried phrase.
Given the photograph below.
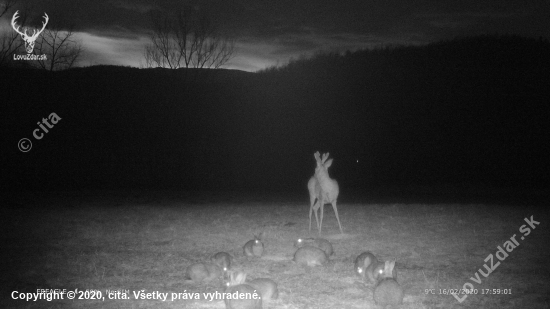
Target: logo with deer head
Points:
(29, 39)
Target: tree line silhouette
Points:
(472, 110)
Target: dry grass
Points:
(133, 242)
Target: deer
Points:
(29, 39)
(322, 190)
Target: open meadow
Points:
(143, 241)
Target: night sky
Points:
(464, 102)
(269, 33)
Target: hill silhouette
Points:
(466, 111)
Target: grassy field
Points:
(131, 242)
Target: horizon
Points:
(271, 34)
(417, 134)
(433, 123)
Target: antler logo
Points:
(29, 39)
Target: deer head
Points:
(29, 39)
(322, 163)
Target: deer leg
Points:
(322, 205)
(310, 210)
(337, 218)
(311, 204)
(316, 210)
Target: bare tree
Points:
(212, 49)
(61, 48)
(214, 53)
(6, 6)
(9, 44)
(164, 50)
(187, 39)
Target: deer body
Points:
(323, 189)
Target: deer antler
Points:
(25, 35)
(325, 157)
(316, 155)
(15, 16)
(47, 18)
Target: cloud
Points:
(108, 50)
(271, 32)
(137, 6)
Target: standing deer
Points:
(29, 39)
(322, 189)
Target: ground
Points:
(143, 241)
